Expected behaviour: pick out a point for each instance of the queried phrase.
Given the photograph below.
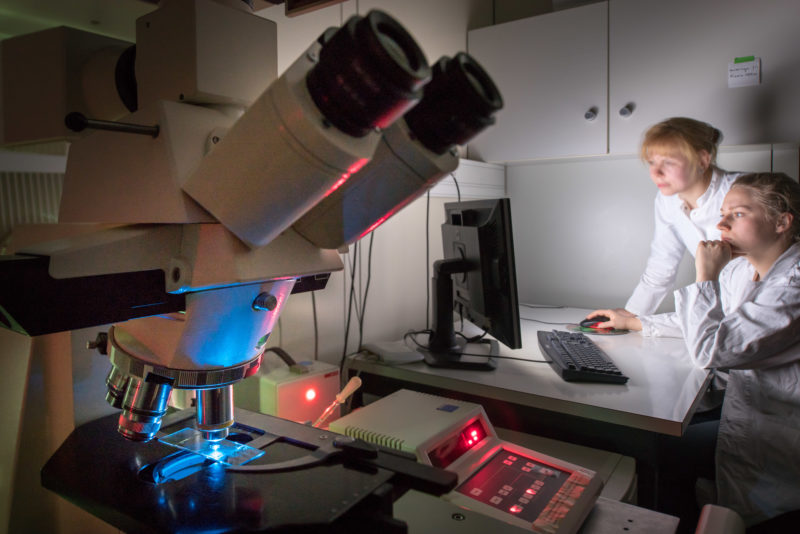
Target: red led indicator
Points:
(375, 224)
(473, 434)
(311, 395)
(515, 509)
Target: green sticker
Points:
(744, 59)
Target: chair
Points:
(719, 520)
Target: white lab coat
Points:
(753, 330)
(677, 229)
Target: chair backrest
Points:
(719, 520)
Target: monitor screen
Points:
(477, 279)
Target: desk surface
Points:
(661, 395)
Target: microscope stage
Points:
(111, 477)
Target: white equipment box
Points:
(283, 392)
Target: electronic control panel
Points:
(499, 479)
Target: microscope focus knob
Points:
(100, 343)
(265, 302)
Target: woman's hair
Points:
(777, 193)
(683, 136)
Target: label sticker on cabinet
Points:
(744, 71)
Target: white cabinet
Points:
(671, 58)
(664, 58)
(551, 70)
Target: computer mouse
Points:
(590, 323)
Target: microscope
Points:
(188, 221)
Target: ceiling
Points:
(117, 18)
(112, 18)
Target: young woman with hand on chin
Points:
(743, 315)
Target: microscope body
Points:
(187, 222)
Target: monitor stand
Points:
(473, 360)
(444, 348)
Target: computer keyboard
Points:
(576, 358)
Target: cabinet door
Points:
(551, 70)
(671, 59)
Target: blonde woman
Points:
(681, 155)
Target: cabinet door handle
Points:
(591, 114)
(627, 110)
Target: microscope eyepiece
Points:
(370, 72)
(459, 103)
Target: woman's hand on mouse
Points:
(618, 318)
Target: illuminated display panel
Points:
(452, 449)
(515, 484)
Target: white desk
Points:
(660, 397)
(661, 394)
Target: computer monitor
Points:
(477, 278)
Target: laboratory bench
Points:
(526, 395)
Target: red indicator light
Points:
(355, 167)
(376, 224)
(342, 179)
(515, 509)
(311, 395)
(473, 434)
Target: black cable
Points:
(543, 322)
(428, 261)
(366, 291)
(282, 354)
(349, 312)
(356, 267)
(316, 328)
(473, 339)
(458, 189)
